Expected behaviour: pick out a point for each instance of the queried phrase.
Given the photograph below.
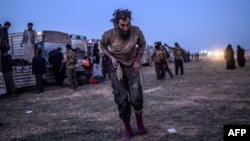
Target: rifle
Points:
(142, 74)
(61, 67)
(73, 77)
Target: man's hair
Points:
(39, 52)
(30, 24)
(68, 46)
(59, 49)
(7, 23)
(120, 14)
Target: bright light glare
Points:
(216, 53)
(221, 53)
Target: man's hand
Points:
(136, 66)
(8, 46)
(114, 62)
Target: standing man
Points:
(70, 64)
(97, 69)
(39, 68)
(7, 70)
(178, 58)
(55, 58)
(29, 36)
(125, 56)
(5, 46)
(159, 58)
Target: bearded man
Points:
(126, 45)
(29, 37)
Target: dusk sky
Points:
(195, 24)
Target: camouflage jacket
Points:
(70, 59)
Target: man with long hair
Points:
(123, 40)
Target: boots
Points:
(128, 131)
(141, 128)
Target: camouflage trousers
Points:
(71, 77)
(127, 91)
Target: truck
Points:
(22, 74)
(47, 41)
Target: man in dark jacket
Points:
(4, 37)
(7, 70)
(39, 68)
(55, 58)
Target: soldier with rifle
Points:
(70, 61)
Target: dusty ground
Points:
(197, 105)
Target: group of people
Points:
(95, 67)
(123, 45)
(160, 58)
(35, 58)
(230, 58)
(63, 66)
(28, 41)
(38, 62)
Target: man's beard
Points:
(124, 35)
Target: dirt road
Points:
(196, 105)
